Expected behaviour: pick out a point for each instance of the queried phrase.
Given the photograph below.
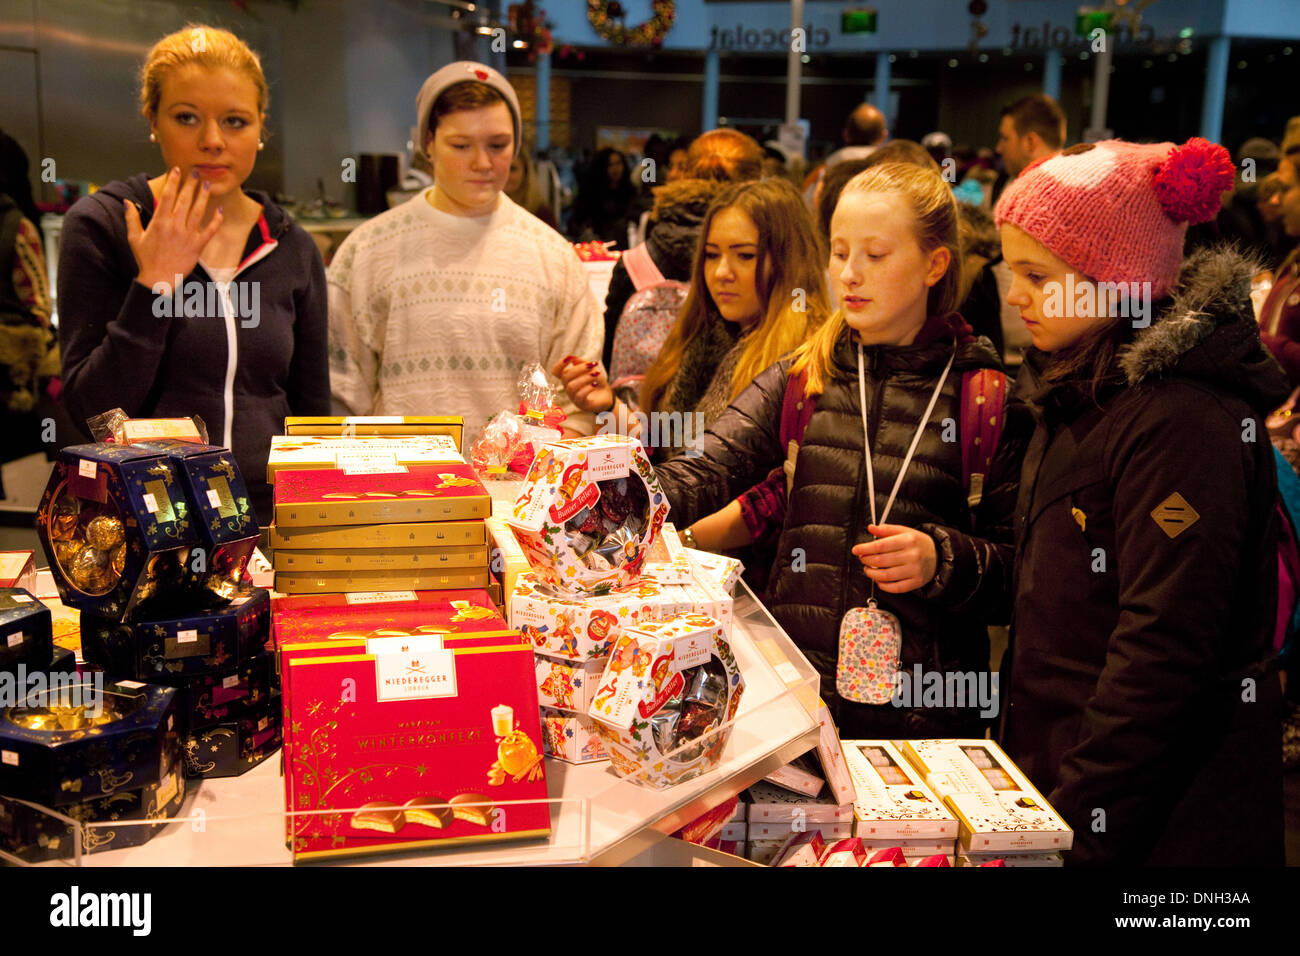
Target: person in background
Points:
(1144, 699)
(864, 130)
(756, 293)
(678, 160)
(524, 189)
(891, 358)
(1279, 317)
(255, 351)
(434, 306)
(1239, 220)
(715, 160)
(607, 201)
(29, 352)
(1031, 128)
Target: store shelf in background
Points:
(596, 817)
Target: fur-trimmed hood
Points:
(1206, 330)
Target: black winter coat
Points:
(815, 579)
(1146, 588)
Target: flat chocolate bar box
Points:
(331, 496)
(70, 744)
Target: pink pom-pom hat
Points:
(1118, 211)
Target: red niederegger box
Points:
(419, 725)
(332, 496)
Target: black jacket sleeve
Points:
(308, 385)
(739, 451)
(1161, 688)
(111, 341)
(620, 290)
(974, 571)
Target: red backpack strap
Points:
(641, 268)
(983, 393)
(796, 410)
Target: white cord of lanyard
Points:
(916, 439)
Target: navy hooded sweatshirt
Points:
(241, 361)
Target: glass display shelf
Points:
(597, 818)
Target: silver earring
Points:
(153, 138)
(260, 144)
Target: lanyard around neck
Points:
(916, 439)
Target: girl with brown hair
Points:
(756, 293)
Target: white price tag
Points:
(150, 503)
(9, 758)
(130, 684)
(187, 637)
(214, 498)
(261, 724)
(21, 599)
(167, 791)
(15, 639)
(692, 651)
(86, 469)
(229, 682)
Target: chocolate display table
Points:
(597, 818)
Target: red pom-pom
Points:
(1192, 178)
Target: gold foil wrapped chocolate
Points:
(88, 569)
(64, 717)
(117, 559)
(104, 533)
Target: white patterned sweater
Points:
(434, 314)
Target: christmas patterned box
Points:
(18, 570)
(666, 561)
(893, 802)
(772, 804)
(589, 513)
(996, 806)
(70, 744)
(211, 698)
(414, 745)
(780, 831)
(359, 426)
(35, 837)
(720, 571)
(666, 699)
(332, 496)
(220, 507)
(571, 737)
(1045, 859)
(199, 642)
(231, 747)
(340, 582)
(580, 629)
(116, 524)
(413, 534)
(302, 453)
(26, 633)
(390, 560)
(567, 685)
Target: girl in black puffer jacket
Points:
(894, 342)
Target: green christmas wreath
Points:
(606, 18)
